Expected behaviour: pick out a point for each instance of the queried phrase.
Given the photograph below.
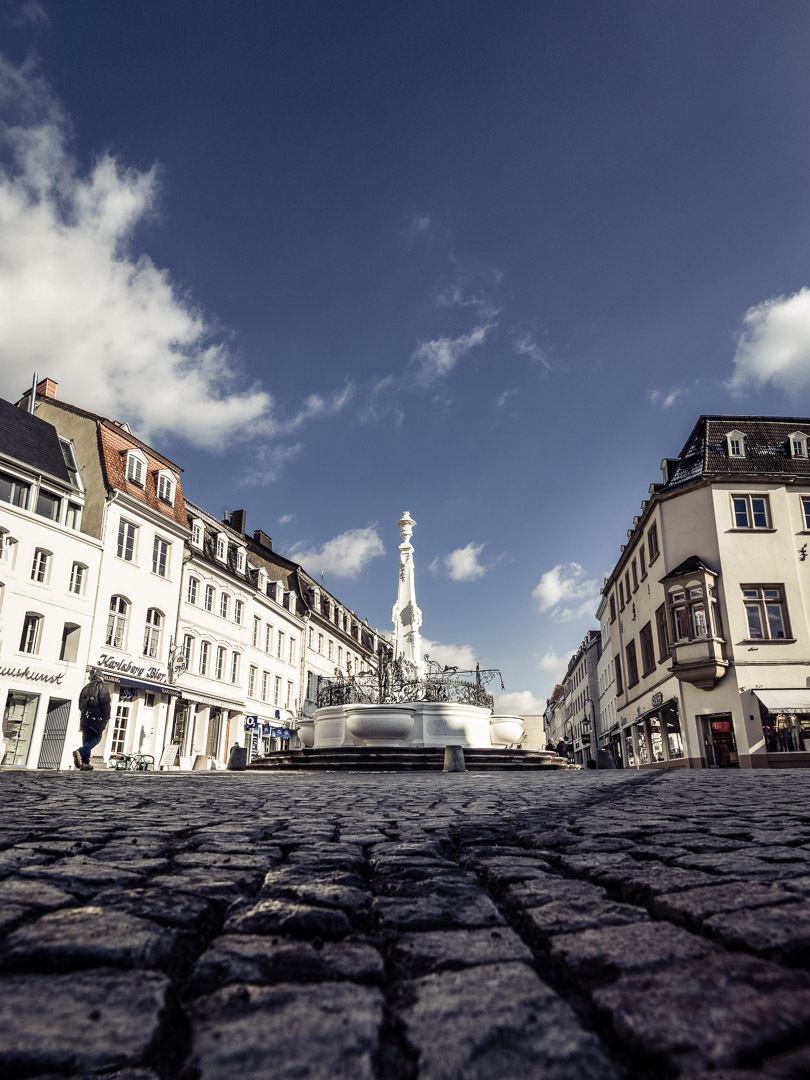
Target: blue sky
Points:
(486, 262)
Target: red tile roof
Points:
(114, 446)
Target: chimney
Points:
(262, 539)
(47, 388)
(238, 521)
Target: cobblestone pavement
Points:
(430, 926)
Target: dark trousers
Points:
(91, 739)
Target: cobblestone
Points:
(608, 926)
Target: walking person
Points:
(94, 706)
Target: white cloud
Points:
(554, 665)
(519, 703)
(439, 356)
(461, 564)
(460, 656)
(502, 399)
(382, 402)
(345, 556)
(665, 399)
(567, 593)
(454, 296)
(419, 225)
(774, 345)
(285, 519)
(267, 462)
(525, 345)
(82, 306)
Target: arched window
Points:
(40, 568)
(209, 597)
(224, 605)
(205, 654)
(117, 622)
(193, 587)
(151, 634)
(78, 576)
(31, 633)
(235, 667)
(220, 668)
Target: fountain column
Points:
(405, 615)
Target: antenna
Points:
(322, 578)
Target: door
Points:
(53, 739)
(719, 743)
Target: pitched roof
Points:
(114, 446)
(767, 449)
(32, 442)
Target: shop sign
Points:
(721, 725)
(33, 676)
(251, 722)
(657, 699)
(125, 667)
(254, 745)
(281, 733)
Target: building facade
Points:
(708, 604)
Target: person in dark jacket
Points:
(94, 707)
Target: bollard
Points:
(454, 759)
(237, 759)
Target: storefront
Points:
(785, 719)
(266, 734)
(38, 705)
(203, 729)
(140, 700)
(653, 739)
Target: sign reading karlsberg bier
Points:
(125, 667)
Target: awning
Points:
(204, 699)
(787, 701)
(142, 684)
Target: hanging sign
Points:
(281, 733)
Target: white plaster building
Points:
(48, 576)
(709, 601)
(607, 721)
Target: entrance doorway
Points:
(53, 738)
(719, 744)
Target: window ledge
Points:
(750, 529)
(655, 557)
(770, 641)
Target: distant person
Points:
(94, 709)
(562, 748)
(550, 746)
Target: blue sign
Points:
(254, 745)
(251, 722)
(278, 714)
(281, 733)
(265, 729)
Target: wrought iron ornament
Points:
(397, 681)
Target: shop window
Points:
(31, 636)
(14, 491)
(70, 643)
(180, 724)
(672, 726)
(117, 618)
(629, 750)
(149, 700)
(151, 635)
(766, 612)
(19, 715)
(786, 732)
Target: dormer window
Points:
(798, 444)
(240, 561)
(222, 548)
(735, 442)
(136, 468)
(165, 487)
(197, 533)
(261, 580)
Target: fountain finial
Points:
(405, 615)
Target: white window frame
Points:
(166, 483)
(222, 656)
(197, 533)
(235, 667)
(221, 548)
(240, 561)
(762, 601)
(797, 441)
(205, 656)
(152, 633)
(136, 468)
(31, 635)
(41, 566)
(253, 671)
(160, 556)
(78, 579)
(127, 544)
(238, 611)
(117, 622)
(193, 590)
(209, 598)
(748, 499)
(224, 604)
(735, 444)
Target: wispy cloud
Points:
(774, 345)
(524, 344)
(501, 399)
(419, 225)
(381, 403)
(453, 296)
(438, 357)
(344, 556)
(665, 399)
(462, 564)
(81, 306)
(267, 463)
(285, 519)
(567, 593)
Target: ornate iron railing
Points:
(397, 681)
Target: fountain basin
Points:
(505, 730)
(306, 732)
(379, 725)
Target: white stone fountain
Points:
(418, 707)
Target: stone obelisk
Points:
(405, 615)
